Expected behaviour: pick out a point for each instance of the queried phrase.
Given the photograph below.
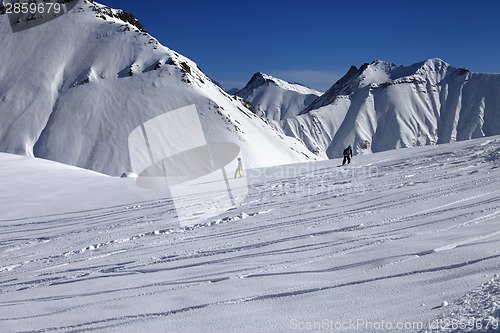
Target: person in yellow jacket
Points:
(239, 169)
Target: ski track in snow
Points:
(327, 234)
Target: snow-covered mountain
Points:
(74, 88)
(381, 106)
(276, 99)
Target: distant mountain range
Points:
(381, 106)
(74, 88)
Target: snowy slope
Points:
(38, 187)
(387, 240)
(73, 89)
(381, 106)
(276, 99)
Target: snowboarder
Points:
(239, 169)
(347, 155)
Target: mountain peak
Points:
(434, 61)
(381, 106)
(422, 69)
(380, 73)
(106, 12)
(275, 98)
(261, 79)
(64, 101)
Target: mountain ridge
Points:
(78, 97)
(381, 106)
(275, 98)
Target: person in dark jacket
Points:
(347, 155)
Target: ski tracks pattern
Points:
(323, 233)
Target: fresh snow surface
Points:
(477, 311)
(405, 237)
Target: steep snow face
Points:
(276, 99)
(73, 89)
(381, 106)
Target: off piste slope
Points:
(381, 106)
(73, 89)
(276, 99)
(379, 245)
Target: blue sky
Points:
(315, 42)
